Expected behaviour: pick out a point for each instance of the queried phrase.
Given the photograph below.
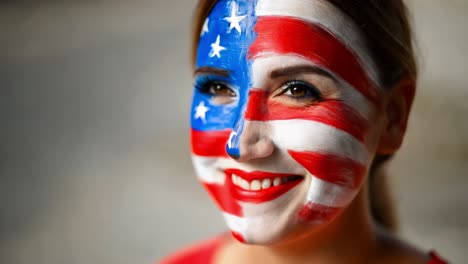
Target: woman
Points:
(296, 106)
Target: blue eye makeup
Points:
(214, 86)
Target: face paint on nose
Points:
(233, 143)
(254, 139)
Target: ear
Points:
(396, 113)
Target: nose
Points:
(251, 137)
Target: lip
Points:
(263, 195)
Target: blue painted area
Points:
(234, 59)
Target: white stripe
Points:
(207, 170)
(307, 135)
(263, 66)
(329, 194)
(326, 15)
(295, 134)
(236, 223)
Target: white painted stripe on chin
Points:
(329, 194)
(236, 223)
(263, 66)
(324, 14)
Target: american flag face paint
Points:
(284, 114)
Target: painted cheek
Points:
(238, 236)
(212, 145)
(209, 143)
(222, 195)
(333, 113)
(209, 133)
(335, 169)
(317, 213)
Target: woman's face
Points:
(285, 117)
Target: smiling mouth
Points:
(260, 184)
(259, 187)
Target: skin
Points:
(247, 88)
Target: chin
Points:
(285, 218)
(270, 222)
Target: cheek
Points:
(335, 180)
(334, 113)
(221, 194)
(330, 142)
(317, 213)
(208, 147)
(334, 169)
(211, 125)
(209, 143)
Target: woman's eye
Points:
(219, 92)
(300, 90)
(220, 89)
(216, 88)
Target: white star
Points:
(216, 49)
(234, 19)
(205, 27)
(200, 111)
(231, 136)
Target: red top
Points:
(435, 259)
(203, 253)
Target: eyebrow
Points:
(211, 70)
(300, 69)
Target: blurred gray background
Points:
(94, 154)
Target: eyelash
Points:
(206, 83)
(311, 91)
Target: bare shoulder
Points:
(392, 249)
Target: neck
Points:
(350, 238)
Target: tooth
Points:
(245, 184)
(266, 183)
(236, 179)
(233, 179)
(255, 185)
(276, 181)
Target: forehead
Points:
(226, 35)
(236, 33)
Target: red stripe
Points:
(209, 143)
(332, 112)
(238, 236)
(436, 259)
(313, 212)
(222, 194)
(283, 35)
(331, 168)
